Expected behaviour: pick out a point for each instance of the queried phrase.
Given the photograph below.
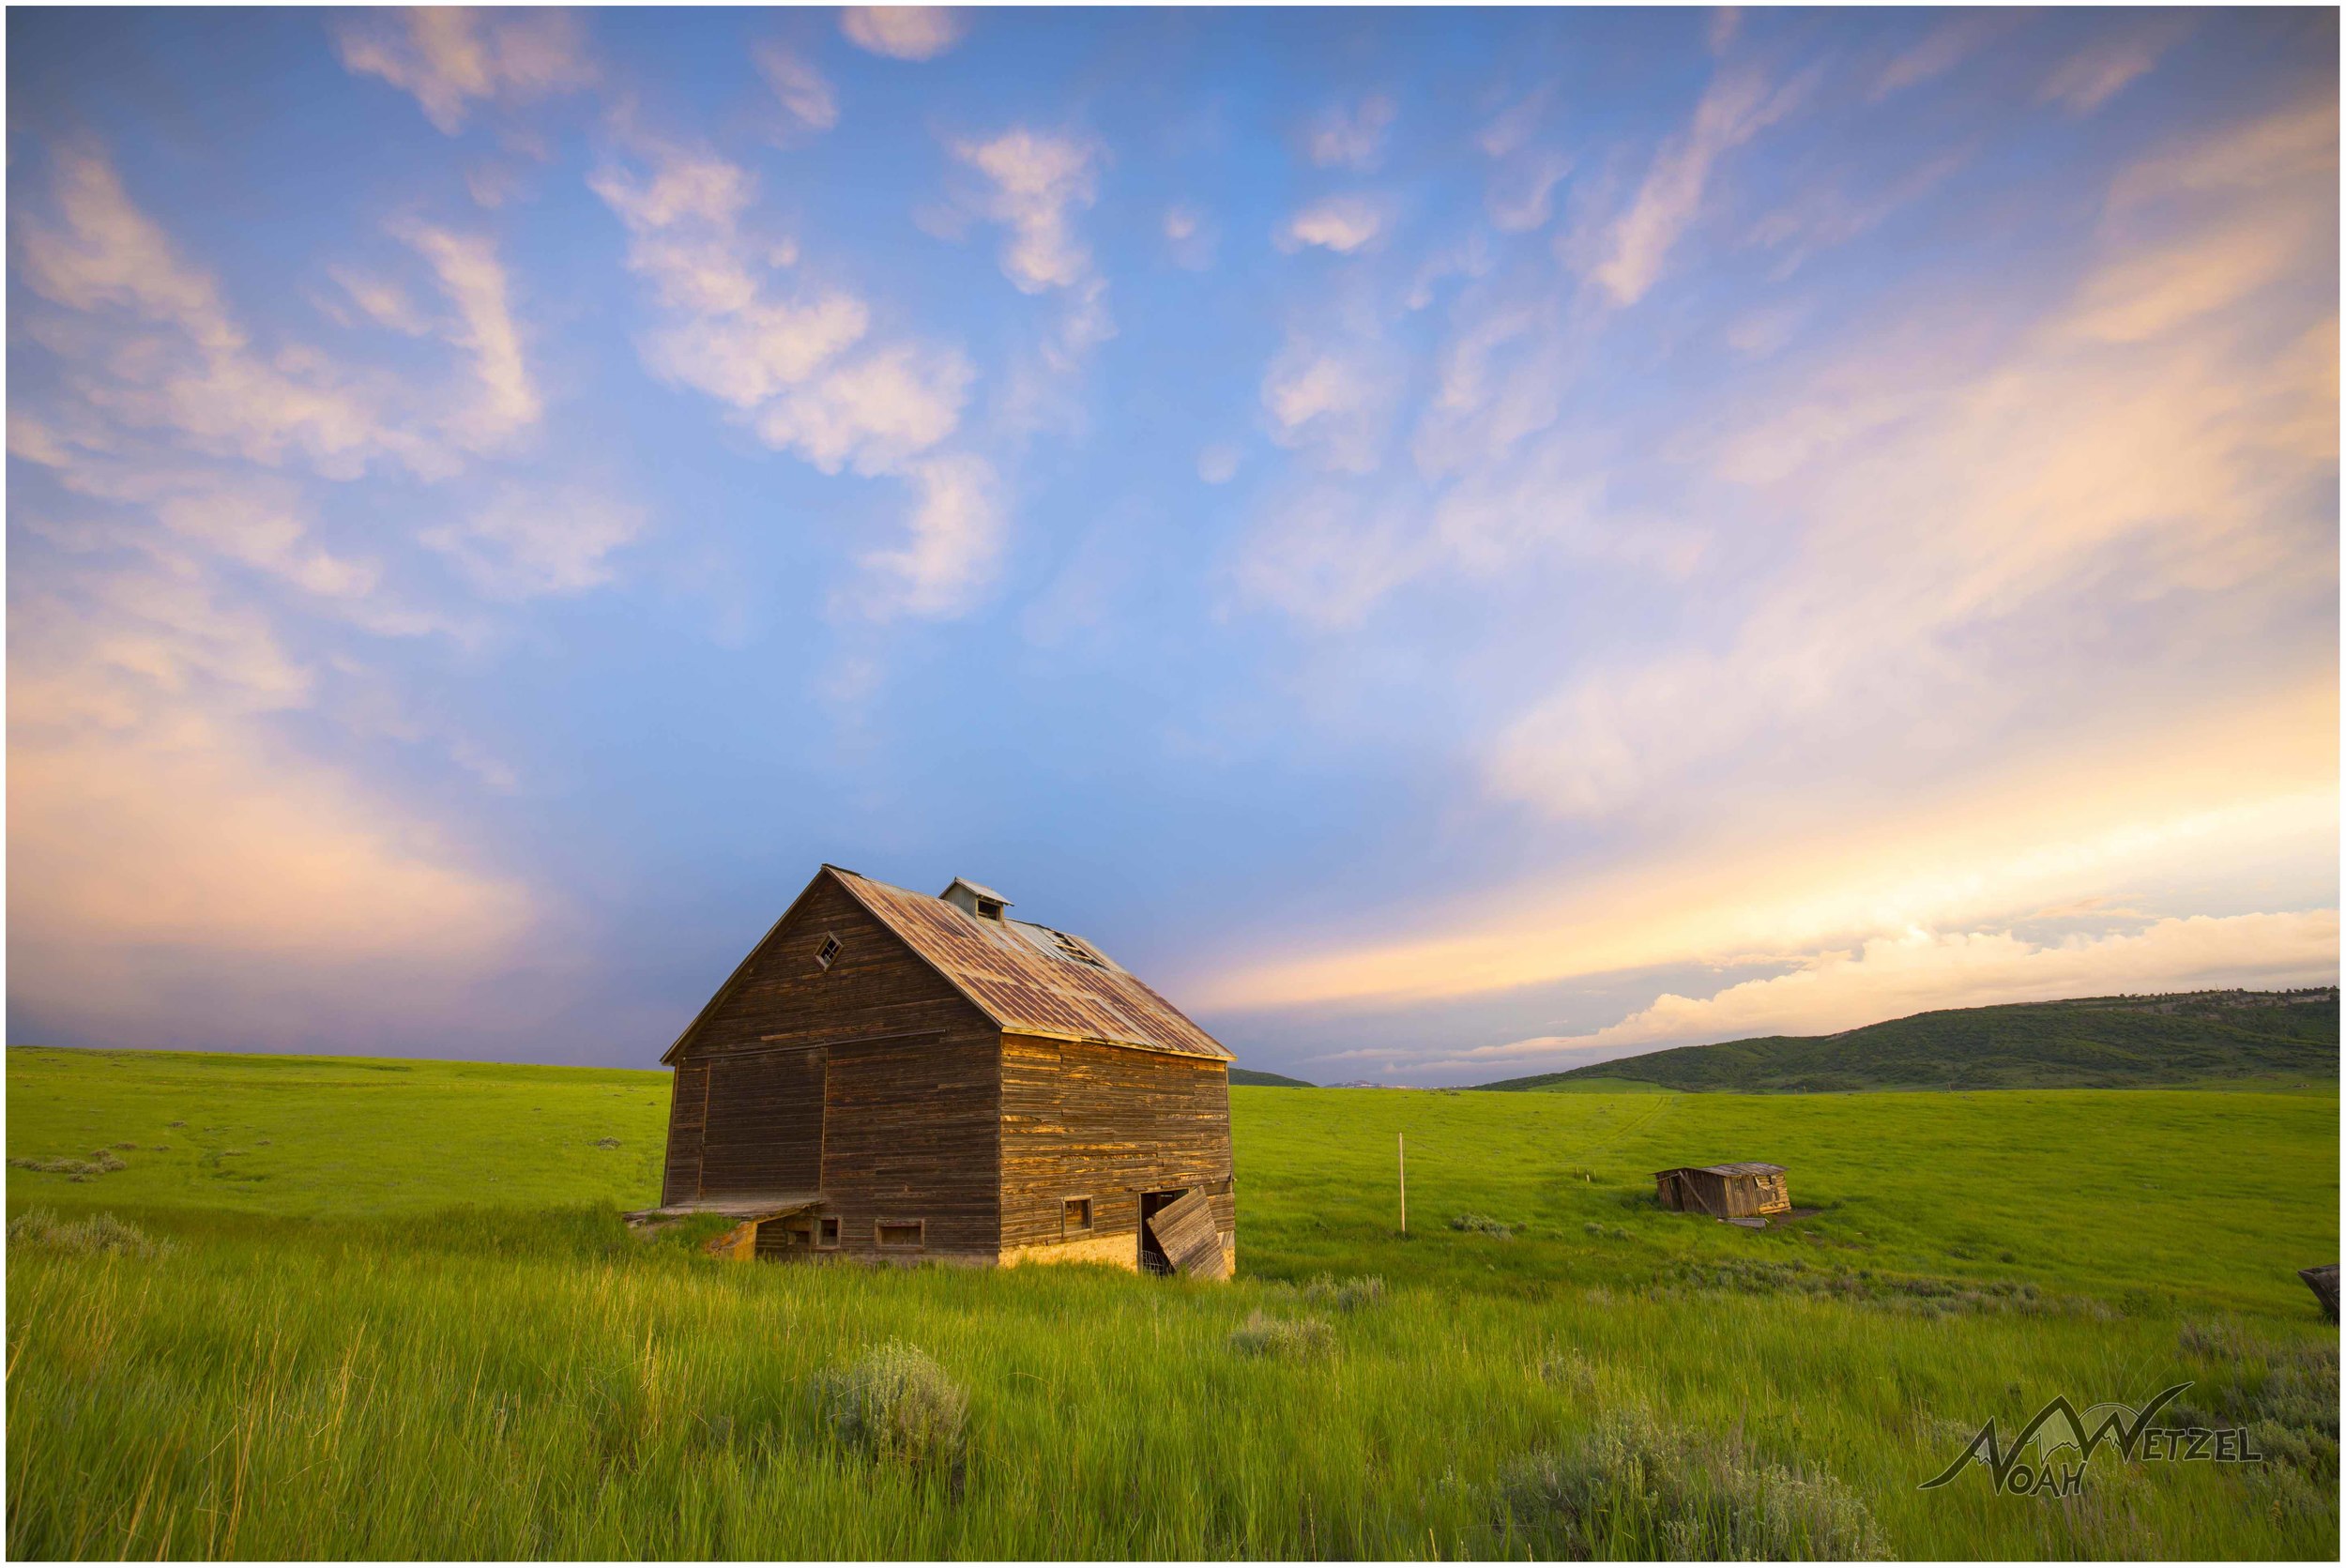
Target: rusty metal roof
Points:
(1024, 976)
(1744, 1168)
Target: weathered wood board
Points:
(1185, 1234)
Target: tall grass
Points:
(293, 1368)
(563, 1390)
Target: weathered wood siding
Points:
(688, 1110)
(895, 1116)
(1108, 1123)
(913, 1135)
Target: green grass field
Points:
(396, 1316)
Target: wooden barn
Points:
(1725, 1192)
(892, 1075)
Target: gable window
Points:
(1076, 1216)
(900, 1235)
(828, 951)
(989, 908)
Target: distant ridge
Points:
(1247, 1075)
(2090, 1042)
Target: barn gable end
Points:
(867, 1079)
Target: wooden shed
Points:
(1724, 1192)
(892, 1075)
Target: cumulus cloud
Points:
(450, 59)
(874, 413)
(1917, 972)
(957, 534)
(1039, 183)
(903, 32)
(1036, 184)
(802, 368)
(1340, 223)
(1218, 462)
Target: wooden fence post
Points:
(1401, 1150)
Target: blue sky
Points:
(1453, 544)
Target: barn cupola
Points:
(980, 899)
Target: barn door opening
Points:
(1152, 1256)
(764, 1125)
(1186, 1238)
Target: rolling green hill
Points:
(1247, 1077)
(2204, 1037)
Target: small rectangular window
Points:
(989, 908)
(829, 950)
(827, 1231)
(901, 1235)
(1076, 1217)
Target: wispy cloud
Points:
(476, 284)
(1350, 136)
(2110, 64)
(803, 92)
(527, 541)
(451, 58)
(162, 819)
(1940, 50)
(1738, 104)
(2066, 822)
(1191, 235)
(1893, 977)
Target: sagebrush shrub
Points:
(101, 1162)
(1631, 1487)
(1292, 1337)
(895, 1404)
(93, 1233)
(1484, 1223)
(1346, 1295)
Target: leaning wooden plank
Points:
(2323, 1282)
(1186, 1234)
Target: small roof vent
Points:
(976, 897)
